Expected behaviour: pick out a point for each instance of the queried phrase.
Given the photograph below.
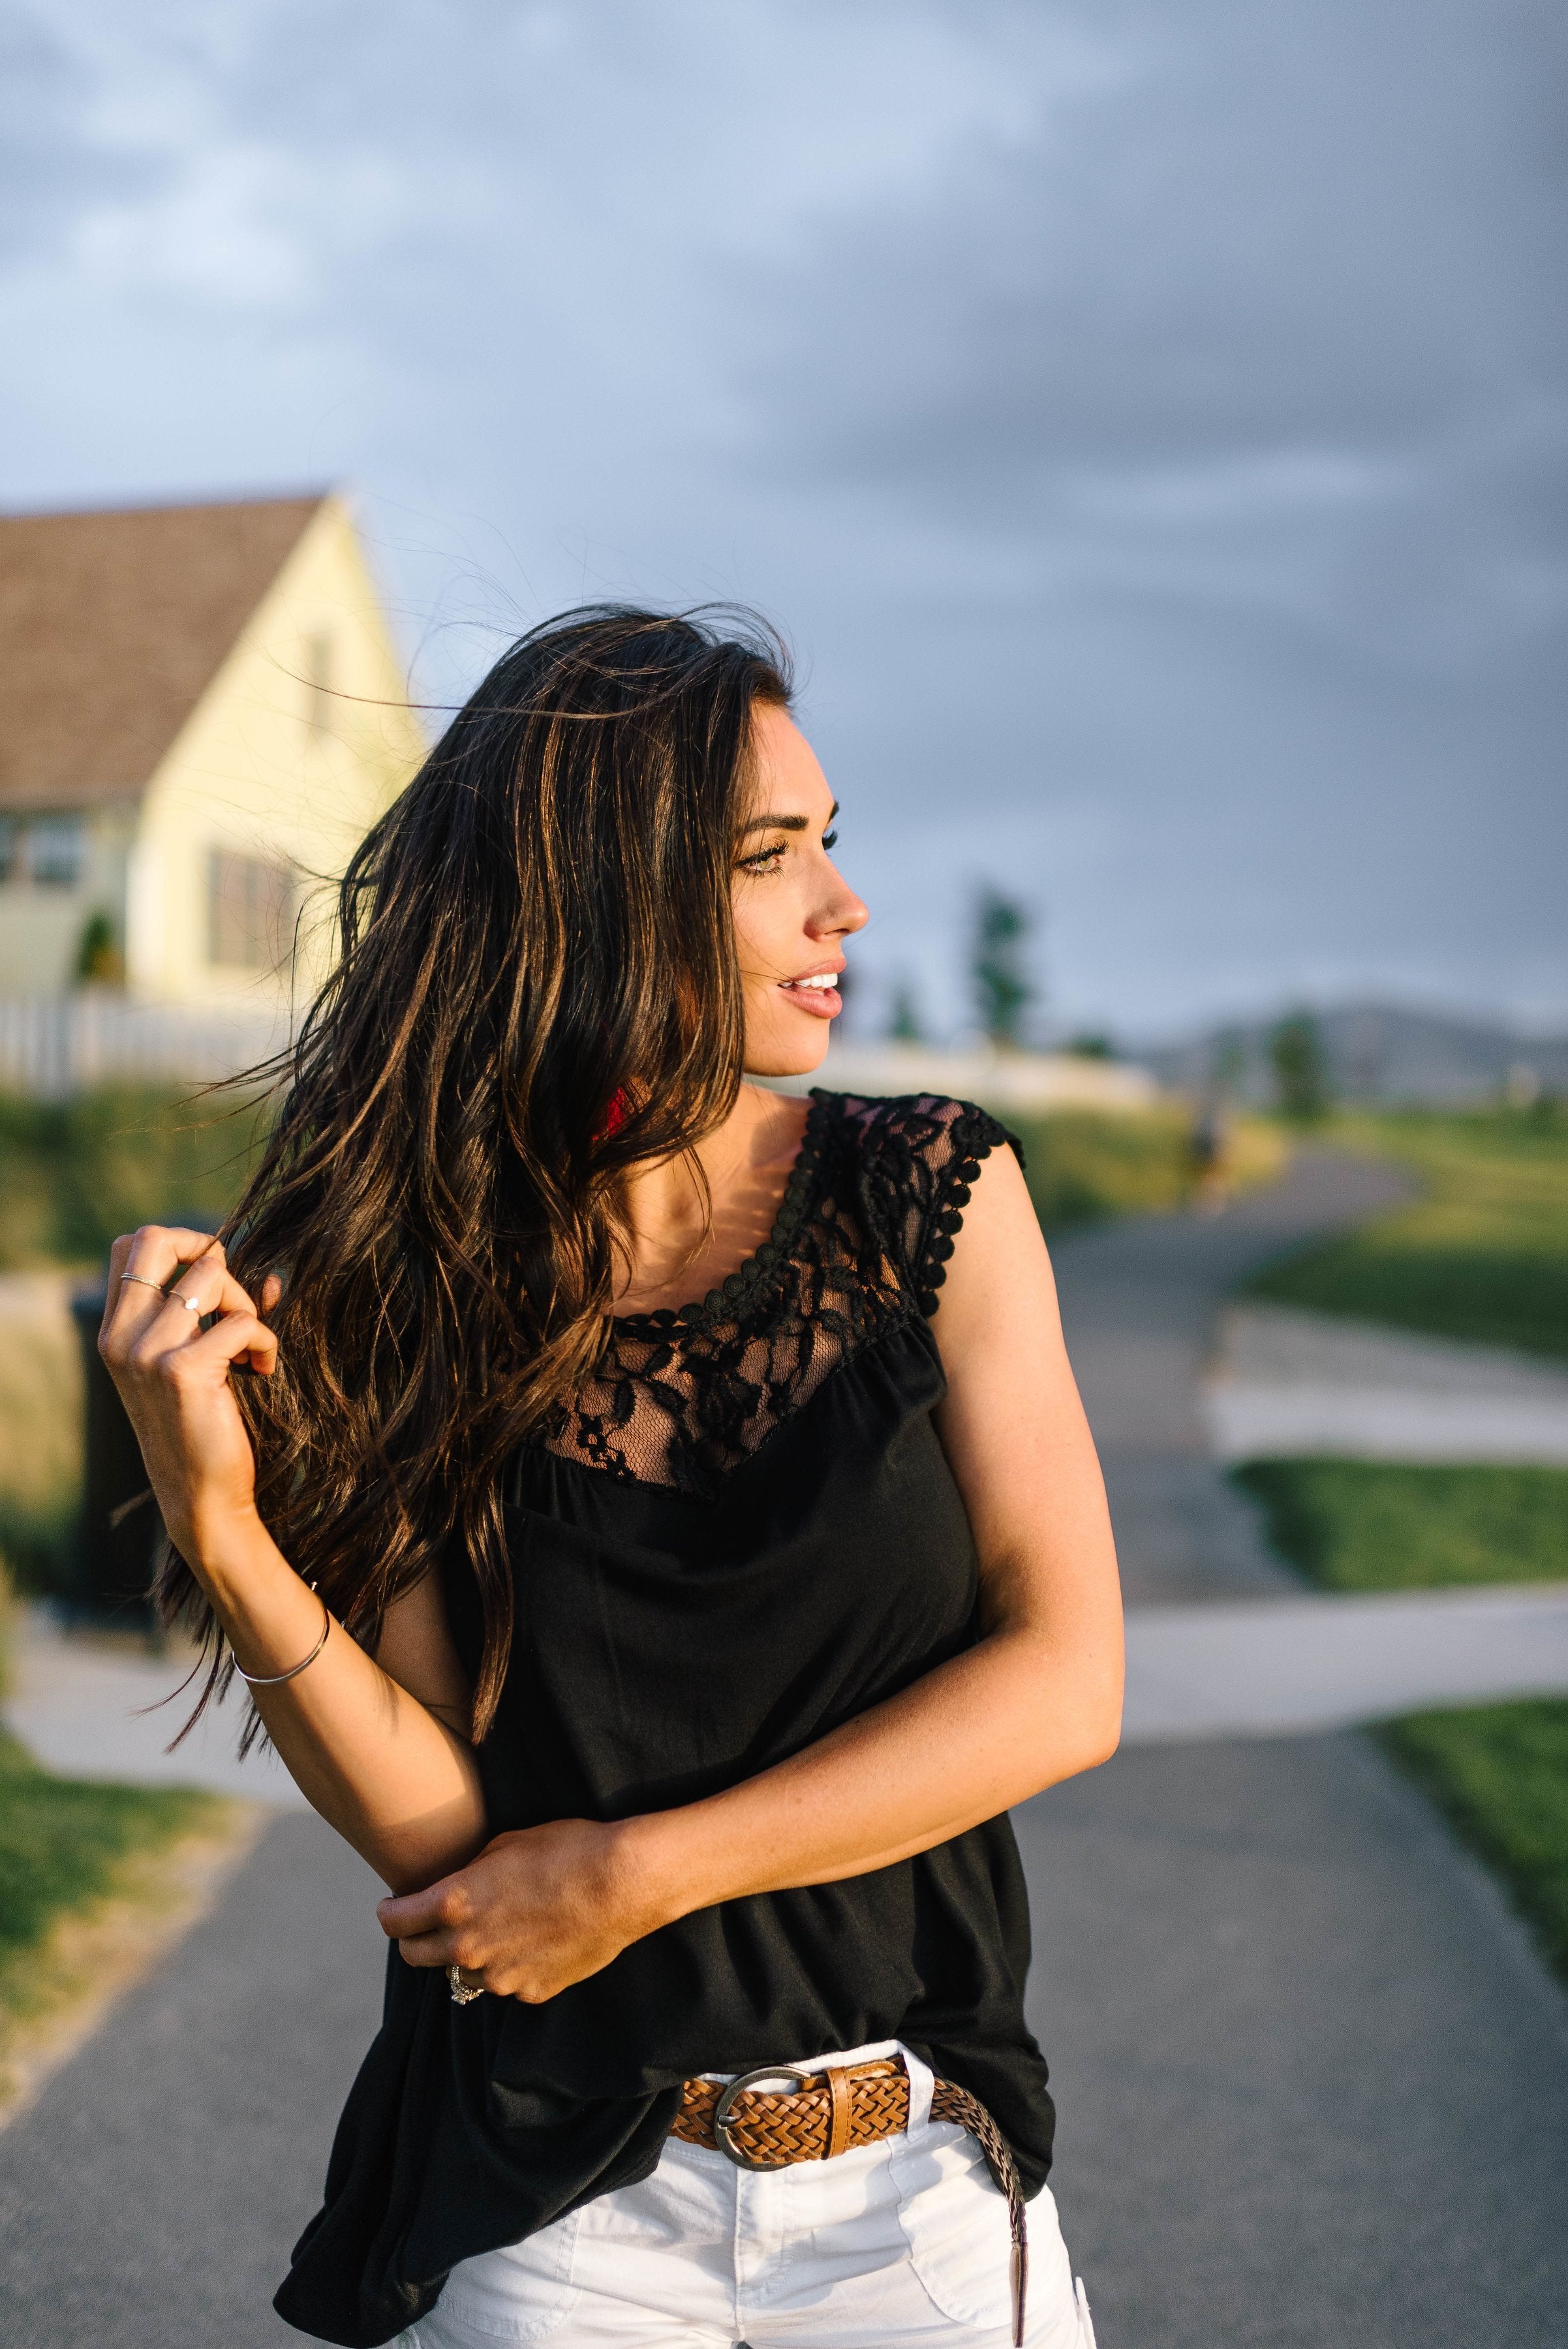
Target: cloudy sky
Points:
(1148, 419)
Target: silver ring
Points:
(169, 1296)
(463, 1993)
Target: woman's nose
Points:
(844, 914)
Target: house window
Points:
(46, 850)
(250, 911)
(55, 850)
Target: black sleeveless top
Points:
(743, 1534)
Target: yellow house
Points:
(201, 710)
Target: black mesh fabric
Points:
(861, 1240)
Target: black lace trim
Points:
(975, 1135)
(734, 1293)
(860, 1244)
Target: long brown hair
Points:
(536, 989)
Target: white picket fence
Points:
(1002, 1081)
(52, 1046)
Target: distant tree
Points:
(1301, 1071)
(904, 1021)
(1228, 1060)
(1092, 1046)
(98, 958)
(1000, 978)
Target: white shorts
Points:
(893, 2244)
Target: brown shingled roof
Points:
(111, 626)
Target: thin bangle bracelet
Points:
(273, 1680)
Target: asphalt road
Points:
(148, 2199)
(1312, 2082)
(1313, 2087)
(1140, 1301)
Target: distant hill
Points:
(1376, 1052)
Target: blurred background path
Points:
(148, 2199)
(1314, 2084)
(1313, 2081)
(1140, 1301)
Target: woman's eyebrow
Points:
(783, 822)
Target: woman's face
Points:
(792, 910)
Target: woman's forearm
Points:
(546, 1906)
(1013, 1715)
(398, 1783)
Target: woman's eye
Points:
(830, 839)
(766, 860)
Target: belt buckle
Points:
(721, 2111)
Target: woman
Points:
(674, 1664)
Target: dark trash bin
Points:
(119, 1530)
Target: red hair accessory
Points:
(616, 1115)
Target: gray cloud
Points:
(1264, 297)
(1149, 419)
(1263, 229)
(51, 165)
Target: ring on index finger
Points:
(169, 1296)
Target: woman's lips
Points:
(810, 994)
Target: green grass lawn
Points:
(1087, 1165)
(1369, 1524)
(73, 1173)
(1500, 1775)
(1481, 1254)
(64, 1843)
(72, 1176)
(1499, 1772)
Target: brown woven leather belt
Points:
(827, 2113)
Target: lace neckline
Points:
(732, 1294)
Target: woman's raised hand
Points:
(540, 1909)
(173, 1377)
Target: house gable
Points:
(201, 710)
(111, 628)
(301, 740)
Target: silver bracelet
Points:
(274, 1680)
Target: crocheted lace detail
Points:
(860, 1243)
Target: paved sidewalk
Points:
(1140, 1301)
(149, 2198)
(1313, 2084)
(1269, 1667)
(94, 1707)
(1327, 1661)
(1313, 2081)
(1288, 1382)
